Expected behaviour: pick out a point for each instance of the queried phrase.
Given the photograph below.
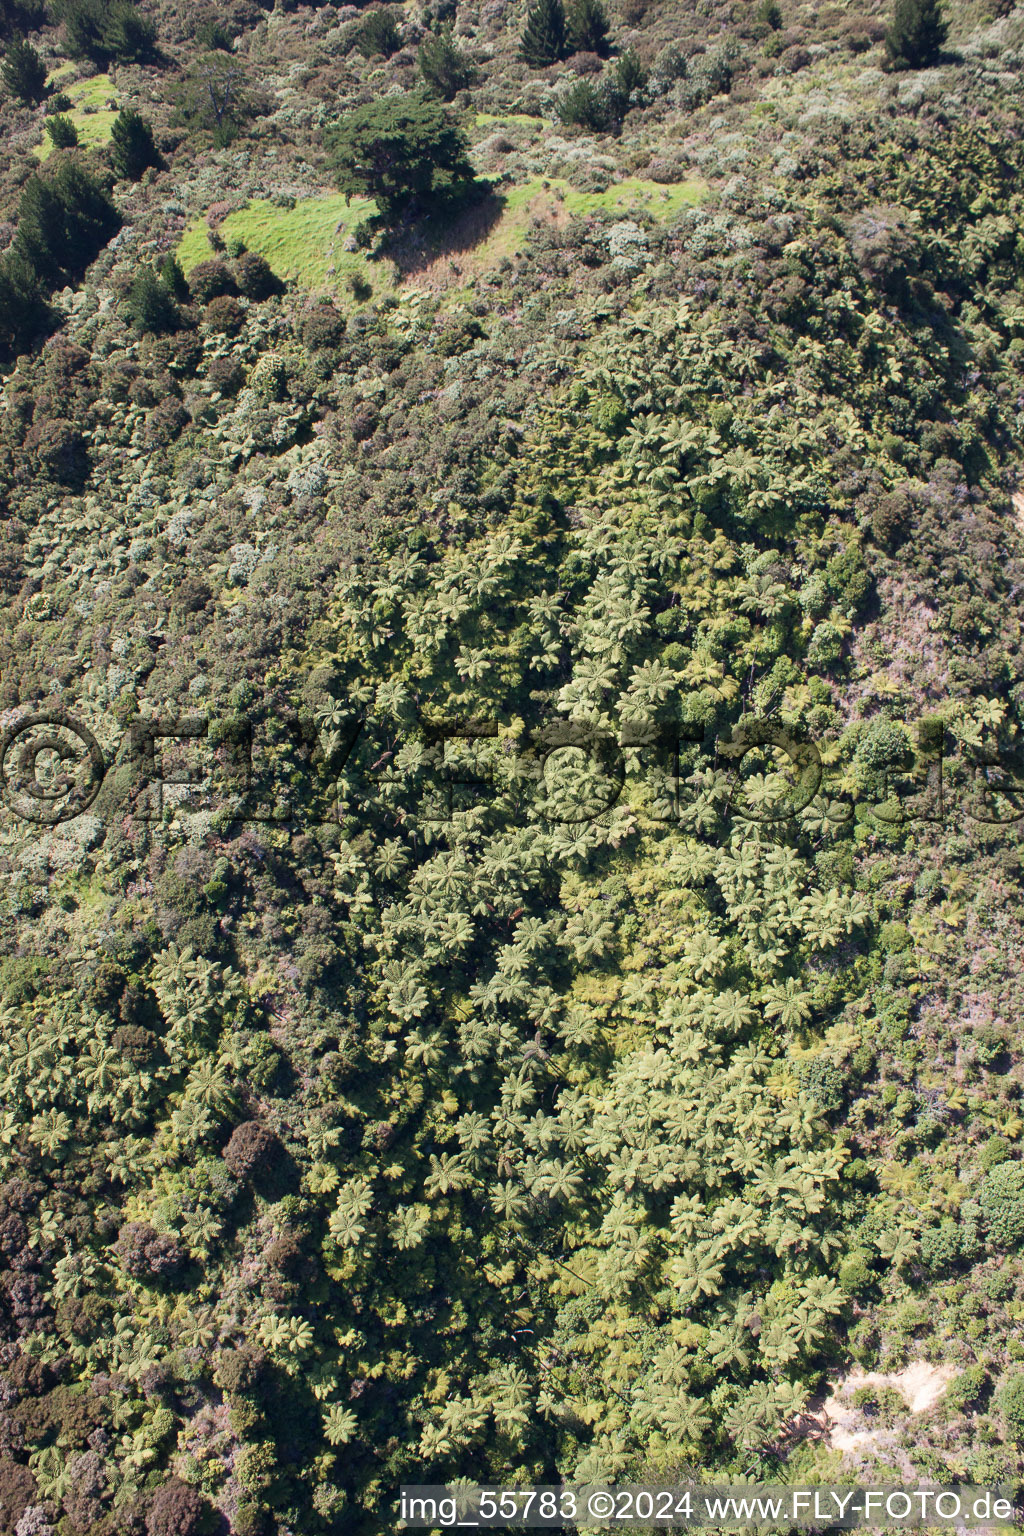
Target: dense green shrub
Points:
(707, 76)
(1002, 1204)
(379, 33)
(1010, 1402)
(940, 1246)
(966, 1389)
(822, 1078)
(855, 1273)
(23, 72)
(587, 105)
(997, 1149)
(445, 67)
(458, 334)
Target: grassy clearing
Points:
(630, 196)
(554, 201)
(513, 119)
(305, 244)
(89, 111)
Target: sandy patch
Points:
(1018, 509)
(920, 1385)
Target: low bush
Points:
(255, 278)
(224, 314)
(323, 327)
(209, 279)
(251, 1150)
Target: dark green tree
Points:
(445, 68)
(587, 27)
(63, 220)
(379, 34)
(61, 132)
(132, 147)
(127, 34)
(150, 304)
(41, 237)
(23, 307)
(544, 36)
(918, 31)
(404, 152)
(96, 29)
(17, 16)
(172, 277)
(23, 72)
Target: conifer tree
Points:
(23, 72)
(132, 145)
(544, 36)
(61, 131)
(917, 34)
(587, 26)
(23, 308)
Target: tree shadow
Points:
(278, 1178)
(449, 235)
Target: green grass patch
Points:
(501, 119)
(89, 111)
(304, 244)
(548, 197)
(634, 195)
